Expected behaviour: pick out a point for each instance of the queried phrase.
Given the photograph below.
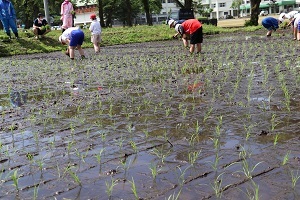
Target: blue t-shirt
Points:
(178, 22)
(270, 23)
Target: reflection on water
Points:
(18, 98)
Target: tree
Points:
(128, 13)
(147, 11)
(27, 10)
(203, 10)
(254, 12)
(236, 5)
(108, 9)
(151, 6)
(100, 12)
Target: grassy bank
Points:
(27, 44)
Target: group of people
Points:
(71, 36)
(191, 29)
(272, 24)
(74, 37)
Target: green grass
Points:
(27, 44)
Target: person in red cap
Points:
(95, 29)
(192, 28)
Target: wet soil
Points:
(222, 124)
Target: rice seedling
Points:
(133, 145)
(35, 192)
(181, 176)
(286, 158)
(217, 186)
(193, 156)
(75, 177)
(133, 189)
(154, 170)
(174, 196)
(160, 153)
(253, 193)
(295, 175)
(250, 84)
(99, 156)
(110, 186)
(207, 114)
(247, 167)
(276, 138)
(248, 130)
(15, 177)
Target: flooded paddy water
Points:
(149, 121)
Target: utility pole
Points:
(46, 8)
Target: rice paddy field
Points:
(150, 121)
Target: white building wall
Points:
(220, 7)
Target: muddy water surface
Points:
(223, 124)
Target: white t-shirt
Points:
(95, 27)
(291, 15)
(297, 19)
(67, 33)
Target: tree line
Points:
(123, 10)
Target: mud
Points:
(222, 124)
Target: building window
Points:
(213, 5)
(222, 4)
(171, 1)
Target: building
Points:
(221, 9)
(83, 12)
(274, 6)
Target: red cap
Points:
(93, 16)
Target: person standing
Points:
(66, 14)
(39, 26)
(192, 28)
(95, 29)
(73, 37)
(8, 17)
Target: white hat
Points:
(281, 17)
(60, 39)
(170, 22)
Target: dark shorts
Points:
(41, 32)
(77, 37)
(197, 36)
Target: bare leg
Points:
(47, 31)
(295, 33)
(80, 50)
(198, 47)
(35, 31)
(72, 52)
(97, 47)
(185, 42)
(269, 33)
(192, 48)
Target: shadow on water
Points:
(18, 98)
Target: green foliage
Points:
(248, 23)
(203, 10)
(46, 27)
(236, 4)
(284, 25)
